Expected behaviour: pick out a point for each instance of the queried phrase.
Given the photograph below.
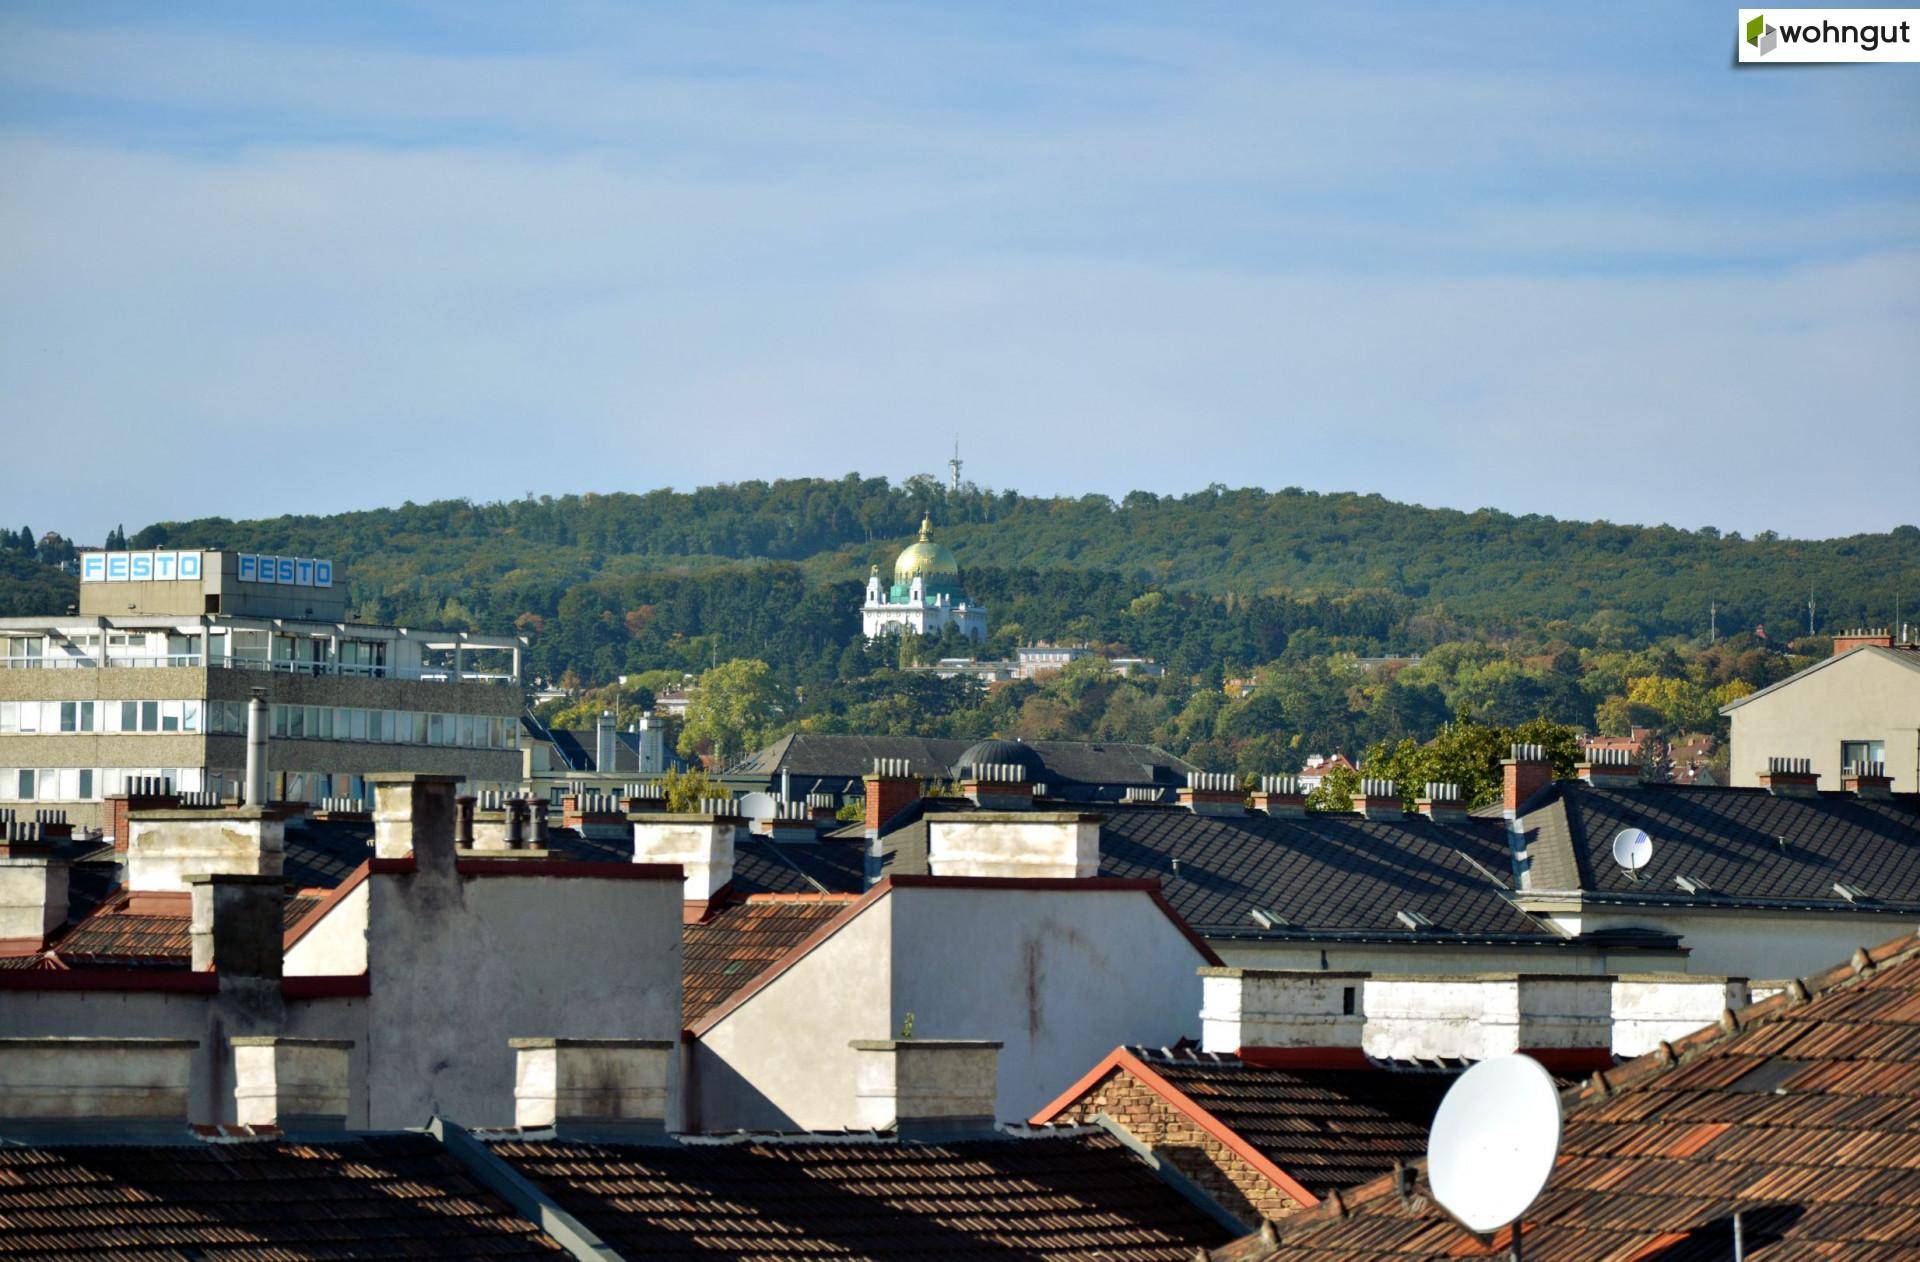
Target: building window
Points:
(24, 785)
(1853, 752)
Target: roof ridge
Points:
(1668, 1056)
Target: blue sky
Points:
(1550, 258)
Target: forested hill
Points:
(1484, 568)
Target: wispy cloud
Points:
(438, 252)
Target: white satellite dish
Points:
(1632, 849)
(1494, 1141)
(759, 807)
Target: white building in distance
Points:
(925, 597)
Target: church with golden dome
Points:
(925, 597)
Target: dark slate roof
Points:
(321, 853)
(735, 944)
(377, 1196)
(1326, 1128)
(1080, 770)
(1331, 873)
(760, 865)
(579, 748)
(1803, 1113)
(1072, 1196)
(1732, 840)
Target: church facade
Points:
(925, 595)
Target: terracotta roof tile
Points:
(724, 953)
(146, 929)
(1058, 1197)
(1803, 1116)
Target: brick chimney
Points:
(1862, 779)
(1609, 769)
(1033, 844)
(1282, 797)
(891, 788)
(1791, 778)
(702, 844)
(413, 815)
(294, 1084)
(926, 1088)
(33, 886)
(1847, 641)
(591, 1088)
(58, 1089)
(1442, 802)
(1379, 799)
(1524, 773)
(997, 786)
(1565, 1021)
(1306, 1018)
(1213, 793)
(594, 814)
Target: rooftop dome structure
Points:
(1014, 753)
(931, 562)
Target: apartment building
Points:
(151, 673)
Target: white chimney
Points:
(58, 1088)
(923, 1088)
(1563, 1019)
(295, 1084)
(584, 1088)
(701, 844)
(165, 846)
(1244, 1008)
(414, 816)
(33, 890)
(604, 743)
(1036, 844)
(1652, 1008)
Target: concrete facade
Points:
(1866, 694)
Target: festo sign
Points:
(1776, 37)
(286, 571)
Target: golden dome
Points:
(925, 559)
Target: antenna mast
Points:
(1713, 623)
(954, 464)
(1809, 611)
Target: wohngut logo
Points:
(1779, 36)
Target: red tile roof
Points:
(1065, 1197)
(736, 943)
(1801, 1113)
(378, 1196)
(145, 929)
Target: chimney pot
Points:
(1379, 799)
(1867, 780)
(1791, 777)
(1609, 768)
(1524, 773)
(1213, 793)
(926, 1088)
(891, 788)
(1442, 801)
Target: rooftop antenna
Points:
(1809, 611)
(1713, 622)
(1632, 850)
(954, 464)
(1493, 1144)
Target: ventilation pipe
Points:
(257, 748)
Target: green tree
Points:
(686, 790)
(732, 706)
(1335, 790)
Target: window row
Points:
(290, 722)
(86, 784)
(103, 716)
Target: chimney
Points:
(1442, 803)
(294, 1084)
(792, 823)
(1038, 845)
(168, 846)
(463, 809)
(1609, 769)
(1651, 1008)
(604, 743)
(1213, 793)
(1524, 773)
(142, 793)
(997, 786)
(33, 886)
(413, 816)
(891, 789)
(59, 1089)
(1791, 778)
(609, 1089)
(1563, 1020)
(823, 807)
(1862, 779)
(1379, 799)
(257, 728)
(593, 813)
(926, 1089)
(1847, 641)
(1305, 1018)
(237, 925)
(1281, 797)
(701, 844)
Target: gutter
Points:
(522, 1194)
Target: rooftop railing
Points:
(135, 661)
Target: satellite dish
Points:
(1632, 849)
(759, 807)
(1494, 1141)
